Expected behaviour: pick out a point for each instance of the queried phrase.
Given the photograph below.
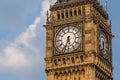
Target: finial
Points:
(106, 5)
(47, 17)
(110, 23)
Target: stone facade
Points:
(86, 62)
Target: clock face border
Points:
(103, 44)
(79, 47)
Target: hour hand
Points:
(68, 41)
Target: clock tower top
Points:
(78, 41)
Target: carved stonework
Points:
(76, 35)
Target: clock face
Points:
(103, 44)
(68, 39)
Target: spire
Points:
(47, 15)
(110, 23)
(106, 5)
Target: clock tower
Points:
(78, 41)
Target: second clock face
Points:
(103, 44)
(68, 39)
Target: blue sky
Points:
(22, 38)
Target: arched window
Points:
(76, 56)
(66, 14)
(58, 15)
(83, 72)
(73, 61)
(64, 62)
(55, 62)
(70, 13)
(62, 14)
(75, 13)
(79, 11)
(81, 58)
(59, 59)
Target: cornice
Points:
(57, 6)
(95, 3)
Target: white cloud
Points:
(27, 49)
(16, 53)
(26, 53)
(13, 58)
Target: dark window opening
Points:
(70, 13)
(75, 13)
(62, 15)
(68, 58)
(79, 12)
(59, 59)
(83, 72)
(64, 62)
(58, 15)
(55, 62)
(73, 61)
(81, 58)
(66, 14)
(76, 56)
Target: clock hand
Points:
(68, 40)
(67, 44)
(64, 48)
